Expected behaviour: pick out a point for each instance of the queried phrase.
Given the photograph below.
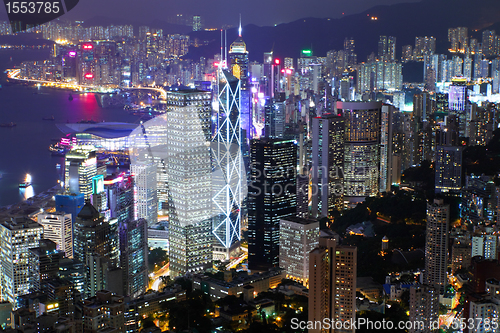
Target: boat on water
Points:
(11, 124)
(27, 182)
(49, 118)
(88, 121)
(70, 97)
(59, 150)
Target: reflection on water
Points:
(27, 192)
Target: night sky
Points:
(216, 13)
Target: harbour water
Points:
(24, 147)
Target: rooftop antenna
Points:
(221, 55)
(239, 29)
(225, 47)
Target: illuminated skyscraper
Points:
(298, 237)
(145, 195)
(189, 180)
(457, 102)
(134, 256)
(327, 164)
(227, 165)
(448, 175)
(332, 284)
(87, 61)
(274, 127)
(436, 244)
(386, 168)
(92, 246)
(80, 168)
(387, 48)
(17, 236)
(238, 64)
(362, 149)
(238, 60)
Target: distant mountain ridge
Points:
(405, 21)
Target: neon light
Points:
(72, 54)
(88, 46)
(113, 181)
(89, 76)
(288, 71)
(277, 61)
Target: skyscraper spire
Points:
(239, 29)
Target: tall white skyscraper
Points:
(58, 227)
(189, 180)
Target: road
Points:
(164, 271)
(14, 73)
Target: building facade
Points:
(271, 196)
(298, 237)
(332, 285)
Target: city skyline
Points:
(219, 182)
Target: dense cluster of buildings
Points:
(268, 147)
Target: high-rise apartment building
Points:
(424, 309)
(332, 285)
(327, 164)
(271, 196)
(387, 48)
(298, 237)
(58, 227)
(388, 171)
(80, 168)
(189, 180)
(17, 236)
(362, 149)
(436, 244)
